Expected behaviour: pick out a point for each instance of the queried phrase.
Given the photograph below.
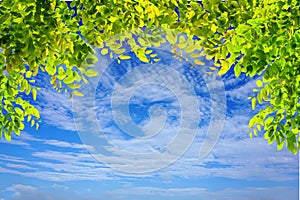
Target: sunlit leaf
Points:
(259, 83)
(199, 62)
(237, 70)
(104, 51)
(171, 38)
(112, 19)
(91, 73)
(253, 103)
(224, 68)
(77, 93)
(124, 57)
(34, 93)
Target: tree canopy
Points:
(253, 37)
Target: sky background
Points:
(54, 163)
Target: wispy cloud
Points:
(149, 193)
(21, 192)
(26, 192)
(235, 156)
(240, 158)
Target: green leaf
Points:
(269, 120)
(143, 42)
(255, 132)
(199, 62)
(271, 139)
(104, 51)
(117, 51)
(37, 126)
(259, 97)
(19, 111)
(73, 4)
(61, 70)
(242, 29)
(18, 20)
(28, 118)
(149, 51)
(195, 55)
(153, 55)
(91, 73)
(139, 8)
(50, 70)
(77, 93)
(112, 19)
(190, 48)
(224, 67)
(253, 103)
(172, 39)
(213, 28)
(74, 86)
(34, 93)
(28, 89)
(71, 47)
(255, 22)
(231, 48)
(280, 146)
(182, 39)
(258, 127)
(28, 74)
(290, 145)
(32, 123)
(259, 83)
(142, 57)
(237, 70)
(7, 136)
(70, 79)
(22, 126)
(35, 112)
(124, 57)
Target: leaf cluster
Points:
(250, 36)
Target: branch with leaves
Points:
(253, 37)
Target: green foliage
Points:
(271, 48)
(262, 37)
(36, 36)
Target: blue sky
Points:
(75, 153)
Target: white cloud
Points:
(58, 186)
(241, 92)
(17, 187)
(14, 142)
(26, 192)
(238, 159)
(55, 108)
(161, 192)
(235, 156)
(150, 193)
(20, 166)
(63, 144)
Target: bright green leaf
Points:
(124, 57)
(253, 103)
(34, 93)
(104, 51)
(199, 62)
(91, 73)
(77, 93)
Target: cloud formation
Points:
(27, 192)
